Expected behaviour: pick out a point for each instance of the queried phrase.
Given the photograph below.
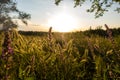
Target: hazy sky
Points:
(42, 11)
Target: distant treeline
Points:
(33, 33)
(100, 32)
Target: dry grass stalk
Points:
(97, 48)
(90, 45)
(32, 63)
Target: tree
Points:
(8, 7)
(97, 6)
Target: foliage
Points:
(68, 56)
(97, 6)
(8, 7)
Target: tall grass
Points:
(62, 56)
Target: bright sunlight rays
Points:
(63, 22)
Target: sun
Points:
(63, 22)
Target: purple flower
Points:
(109, 32)
(7, 49)
(10, 50)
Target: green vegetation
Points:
(98, 7)
(60, 56)
(9, 11)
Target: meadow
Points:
(89, 55)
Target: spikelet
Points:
(90, 45)
(32, 63)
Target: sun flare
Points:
(63, 22)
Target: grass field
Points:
(60, 56)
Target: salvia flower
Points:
(50, 34)
(7, 49)
(6, 56)
(109, 33)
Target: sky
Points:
(64, 17)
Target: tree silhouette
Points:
(97, 6)
(8, 7)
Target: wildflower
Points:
(109, 32)
(50, 33)
(7, 49)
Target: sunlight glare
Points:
(63, 22)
